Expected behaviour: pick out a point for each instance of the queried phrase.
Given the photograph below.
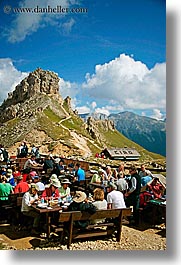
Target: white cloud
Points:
(128, 83)
(67, 26)
(108, 109)
(67, 88)
(83, 109)
(9, 77)
(102, 110)
(26, 23)
(157, 114)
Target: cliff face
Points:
(94, 126)
(39, 82)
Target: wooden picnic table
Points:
(70, 216)
(47, 212)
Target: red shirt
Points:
(157, 190)
(48, 193)
(21, 187)
(24, 176)
(16, 174)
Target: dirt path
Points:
(132, 239)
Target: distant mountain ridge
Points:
(147, 132)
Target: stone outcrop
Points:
(67, 102)
(94, 126)
(37, 83)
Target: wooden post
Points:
(119, 227)
(70, 231)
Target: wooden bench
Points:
(110, 225)
(11, 208)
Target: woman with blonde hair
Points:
(99, 202)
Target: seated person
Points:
(48, 164)
(21, 186)
(121, 170)
(98, 177)
(145, 179)
(71, 169)
(28, 176)
(51, 191)
(64, 190)
(157, 188)
(144, 172)
(59, 168)
(145, 196)
(98, 199)
(22, 150)
(79, 173)
(10, 178)
(3, 170)
(53, 178)
(104, 176)
(29, 198)
(16, 172)
(99, 202)
(115, 198)
(31, 163)
(36, 180)
(80, 203)
(5, 189)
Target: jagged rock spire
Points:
(37, 82)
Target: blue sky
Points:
(110, 59)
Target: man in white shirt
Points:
(31, 163)
(29, 198)
(115, 198)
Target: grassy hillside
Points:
(116, 139)
(59, 123)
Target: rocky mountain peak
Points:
(37, 83)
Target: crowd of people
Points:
(107, 189)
